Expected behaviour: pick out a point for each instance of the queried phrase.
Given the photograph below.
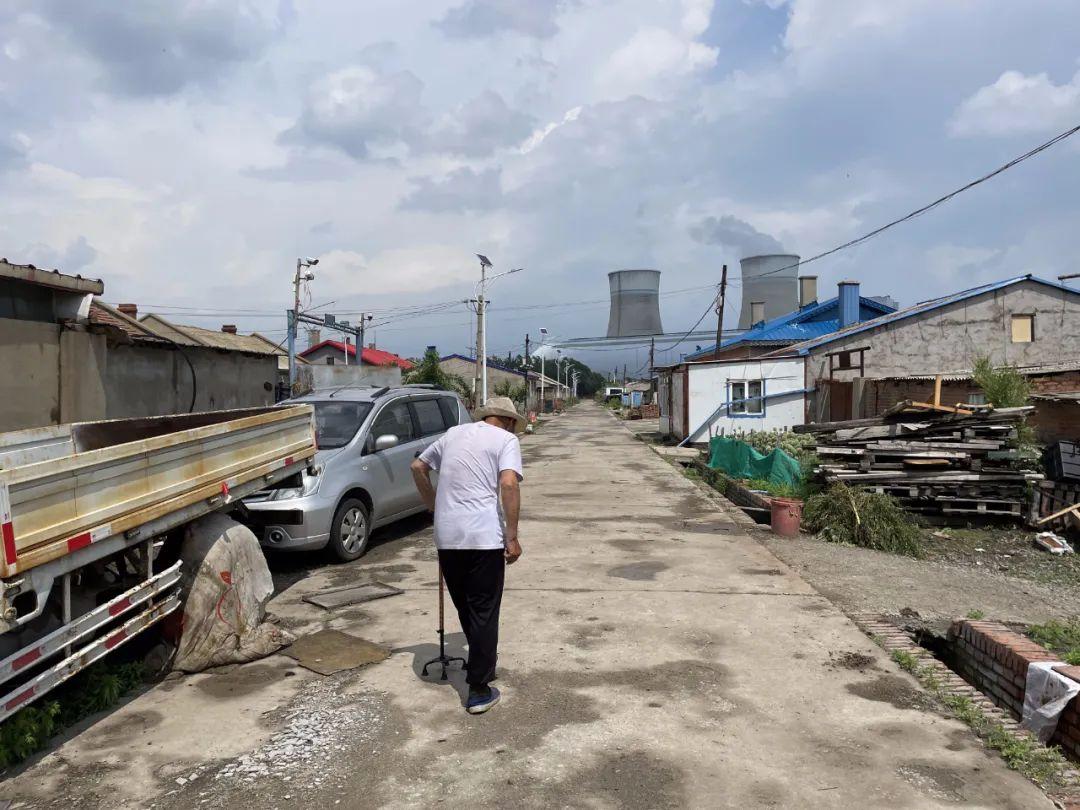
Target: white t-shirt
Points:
(469, 459)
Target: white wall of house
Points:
(716, 384)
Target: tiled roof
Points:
(374, 357)
(101, 314)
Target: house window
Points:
(745, 398)
(329, 361)
(843, 360)
(1023, 328)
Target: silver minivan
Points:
(367, 438)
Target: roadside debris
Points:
(934, 459)
(228, 585)
(1048, 541)
(330, 651)
(322, 724)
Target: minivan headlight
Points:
(310, 487)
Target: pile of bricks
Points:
(995, 660)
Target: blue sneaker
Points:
(480, 700)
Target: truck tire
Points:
(350, 530)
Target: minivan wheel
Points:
(350, 530)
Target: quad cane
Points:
(442, 659)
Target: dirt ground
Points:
(995, 570)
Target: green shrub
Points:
(841, 514)
(1005, 387)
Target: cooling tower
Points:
(635, 303)
(763, 280)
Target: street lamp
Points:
(294, 316)
(481, 321)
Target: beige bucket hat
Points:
(504, 407)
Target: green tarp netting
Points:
(740, 460)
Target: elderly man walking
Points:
(476, 506)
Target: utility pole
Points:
(720, 308)
(362, 336)
(652, 353)
(528, 370)
(481, 366)
(294, 316)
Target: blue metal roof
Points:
(924, 306)
(811, 321)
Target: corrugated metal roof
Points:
(811, 321)
(965, 374)
(924, 306)
(1061, 396)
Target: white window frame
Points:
(739, 393)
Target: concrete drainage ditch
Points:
(977, 671)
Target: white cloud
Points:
(479, 127)
(1018, 104)
(156, 47)
(412, 269)
(482, 18)
(649, 60)
(360, 107)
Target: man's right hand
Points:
(513, 550)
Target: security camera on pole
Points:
(294, 314)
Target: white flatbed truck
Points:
(84, 512)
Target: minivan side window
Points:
(395, 419)
(449, 411)
(429, 415)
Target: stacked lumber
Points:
(934, 460)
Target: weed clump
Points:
(91, 691)
(1062, 637)
(841, 514)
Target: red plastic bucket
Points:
(786, 516)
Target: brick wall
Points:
(994, 659)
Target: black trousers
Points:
(474, 578)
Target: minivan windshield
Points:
(337, 422)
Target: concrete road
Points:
(653, 656)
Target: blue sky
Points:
(187, 151)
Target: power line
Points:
(930, 206)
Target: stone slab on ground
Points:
(330, 651)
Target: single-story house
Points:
(699, 399)
(334, 352)
(812, 319)
(1022, 321)
(465, 368)
(74, 358)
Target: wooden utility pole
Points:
(720, 308)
